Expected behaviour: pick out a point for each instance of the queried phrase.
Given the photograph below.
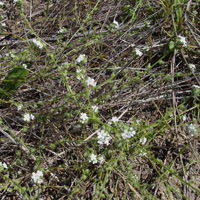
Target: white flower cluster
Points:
(4, 165)
(28, 117)
(182, 40)
(192, 67)
(37, 43)
(1, 3)
(94, 159)
(128, 133)
(81, 58)
(90, 82)
(83, 118)
(103, 137)
(113, 120)
(62, 30)
(138, 52)
(78, 70)
(192, 129)
(37, 177)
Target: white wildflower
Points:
(192, 129)
(62, 30)
(28, 117)
(192, 67)
(93, 158)
(182, 40)
(83, 118)
(138, 52)
(37, 177)
(95, 108)
(37, 43)
(81, 58)
(1, 3)
(90, 82)
(19, 107)
(184, 117)
(4, 165)
(137, 121)
(114, 120)
(143, 140)
(78, 70)
(128, 133)
(103, 137)
(101, 159)
(3, 24)
(24, 66)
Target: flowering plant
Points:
(81, 59)
(37, 177)
(28, 117)
(103, 137)
(37, 43)
(83, 118)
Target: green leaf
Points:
(14, 79)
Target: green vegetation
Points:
(99, 99)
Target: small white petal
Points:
(19, 107)
(90, 82)
(184, 117)
(114, 119)
(95, 108)
(83, 117)
(93, 158)
(138, 52)
(192, 67)
(182, 40)
(192, 129)
(81, 58)
(101, 159)
(24, 66)
(116, 24)
(143, 140)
